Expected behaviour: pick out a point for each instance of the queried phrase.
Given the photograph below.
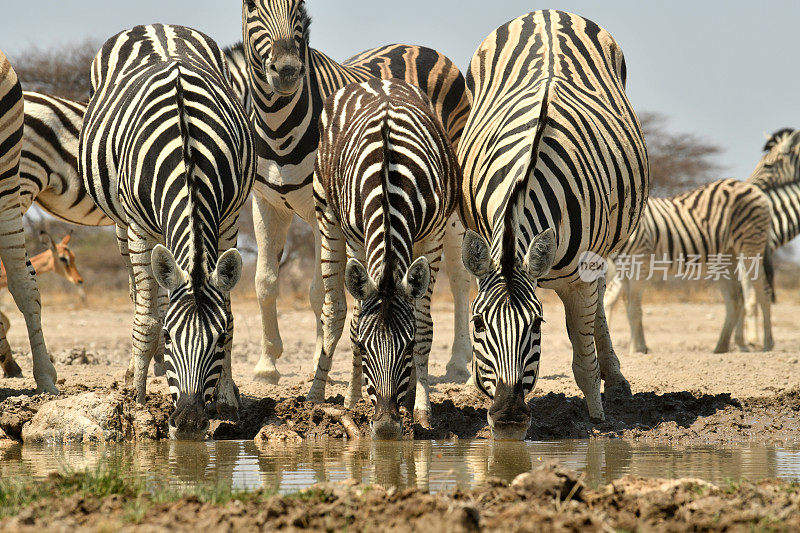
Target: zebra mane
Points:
(775, 139)
(233, 49)
(508, 253)
(305, 19)
(386, 284)
(197, 271)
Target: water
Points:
(429, 465)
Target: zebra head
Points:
(385, 337)
(506, 321)
(780, 163)
(276, 43)
(195, 335)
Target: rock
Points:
(15, 412)
(551, 481)
(88, 417)
(275, 429)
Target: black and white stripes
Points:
(290, 82)
(725, 224)
(21, 282)
(386, 183)
(166, 152)
(554, 167)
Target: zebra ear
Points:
(475, 254)
(228, 271)
(357, 280)
(541, 254)
(418, 277)
(165, 269)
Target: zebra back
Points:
(727, 216)
(552, 136)
(387, 170)
(49, 164)
(778, 175)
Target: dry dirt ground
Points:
(681, 389)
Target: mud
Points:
(546, 499)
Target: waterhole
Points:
(428, 465)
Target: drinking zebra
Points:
(555, 170)
(290, 82)
(166, 151)
(21, 282)
(722, 226)
(386, 182)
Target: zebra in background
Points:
(21, 281)
(290, 82)
(555, 170)
(726, 222)
(777, 174)
(166, 151)
(386, 182)
(239, 76)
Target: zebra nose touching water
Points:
(555, 168)
(385, 184)
(166, 152)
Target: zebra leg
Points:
(738, 309)
(334, 307)
(633, 289)
(228, 401)
(580, 305)
(614, 289)
(10, 367)
(271, 228)
(616, 386)
(158, 359)
(460, 284)
(357, 376)
(122, 244)
(756, 290)
(432, 250)
(147, 323)
(22, 285)
(751, 302)
(316, 296)
(732, 294)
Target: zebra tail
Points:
(769, 271)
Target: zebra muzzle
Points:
(189, 420)
(386, 422)
(509, 416)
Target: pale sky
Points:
(724, 70)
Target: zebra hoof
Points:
(423, 418)
(456, 374)
(595, 420)
(12, 370)
(47, 388)
(619, 390)
(268, 375)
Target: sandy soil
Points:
(682, 390)
(546, 499)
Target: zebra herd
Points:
(512, 175)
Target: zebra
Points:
(166, 152)
(386, 182)
(555, 172)
(725, 223)
(21, 281)
(290, 82)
